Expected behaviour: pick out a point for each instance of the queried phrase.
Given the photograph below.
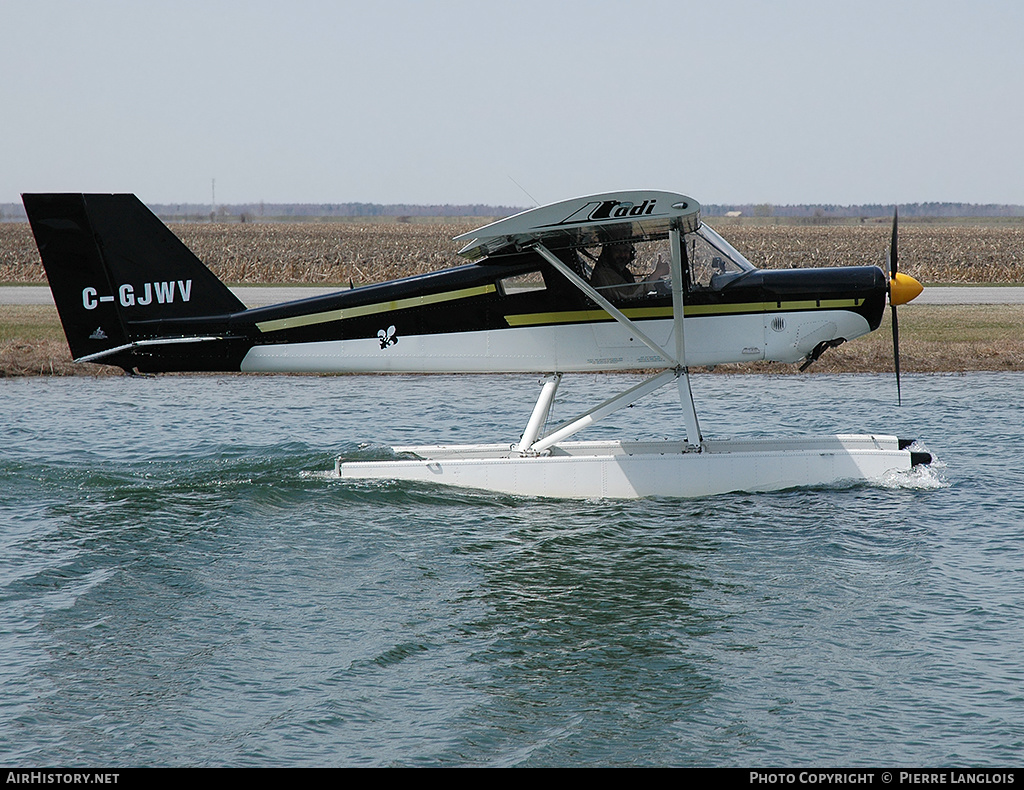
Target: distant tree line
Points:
(828, 211)
(197, 212)
(255, 211)
(262, 210)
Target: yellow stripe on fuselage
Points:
(371, 309)
(585, 316)
(691, 311)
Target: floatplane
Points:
(621, 281)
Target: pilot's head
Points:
(617, 250)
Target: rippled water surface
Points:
(180, 584)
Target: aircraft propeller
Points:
(902, 289)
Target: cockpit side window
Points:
(522, 283)
(630, 269)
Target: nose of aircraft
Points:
(903, 288)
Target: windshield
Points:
(714, 262)
(717, 241)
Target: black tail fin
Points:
(111, 262)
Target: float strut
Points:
(540, 414)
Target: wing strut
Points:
(677, 371)
(693, 435)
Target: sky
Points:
(513, 103)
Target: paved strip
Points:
(977, 294)
(258, 296)
(251, 296)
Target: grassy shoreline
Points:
(933, 339)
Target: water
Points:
(180, 584)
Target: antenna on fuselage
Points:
(531, 197)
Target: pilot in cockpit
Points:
(612, 276)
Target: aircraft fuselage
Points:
(131, 294)
(466, 320)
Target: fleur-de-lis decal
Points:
(387, 337)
